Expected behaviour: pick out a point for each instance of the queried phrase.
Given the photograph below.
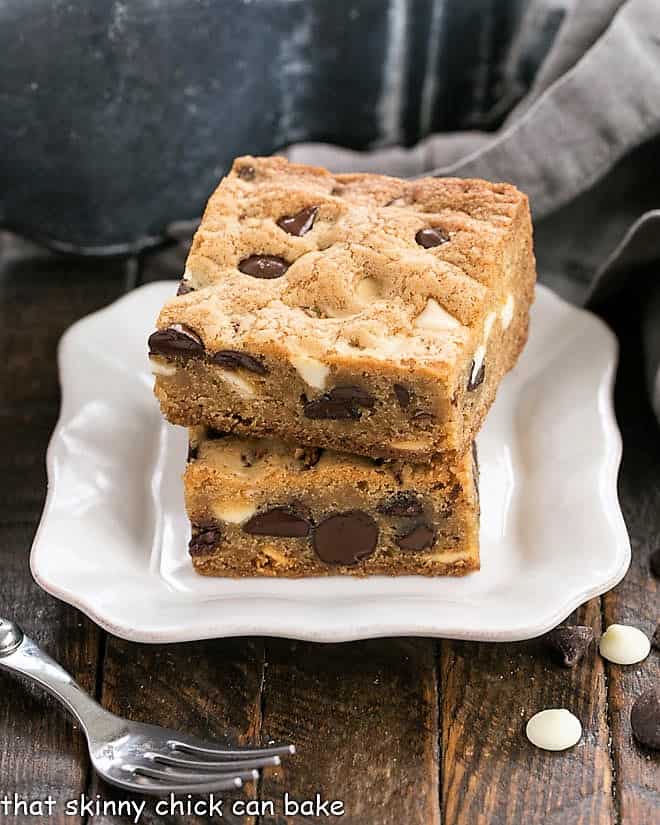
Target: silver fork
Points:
(143, 758)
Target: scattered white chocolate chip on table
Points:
(624, 645)
(555, 729)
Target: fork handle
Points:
(22, 655)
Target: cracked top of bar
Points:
(358, 283)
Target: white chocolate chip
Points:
(233, 512)
(412, 444)
(242, 385)
(434, 317)
(367, 289)
(624, 645)
(506, 313)
(479, 355)
(554, 729)
(312, 371)
(488, 324)
(162, 368)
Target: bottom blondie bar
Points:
(260, 507)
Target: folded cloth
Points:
(583, 143)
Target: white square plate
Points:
(113, 535)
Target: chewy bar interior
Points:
(358, 312)
(260, 507)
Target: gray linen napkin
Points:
(584, 144)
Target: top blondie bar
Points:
(360, 312)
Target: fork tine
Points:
(218, 766)
(177, 777)
(278, 750)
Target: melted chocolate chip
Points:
(645, 719)
(246, 172)
(280, 521)
(346, 538)
(175, 340)
(654, 561)
(419, 538)
(405, 504)
(476, 379)
(338, 404)
(264, 266)
(570, 643)
(233, 359)
(204, 539)
(430, 236)
(402, 395)
(184, 288)
(300, 223)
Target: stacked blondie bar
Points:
(334, 346)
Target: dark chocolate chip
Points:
(570, 642)
(346, 538)
(402, 395)
(655, 641)
(419, 538)
(175, 340)
(246, 172)
(192, 451)
(645, 719)
(214, 435)
(338, 404)
(358, 395)
(264, 266)
(308, 456)
(654, 562)
(476, 379)
(204, 539)
(430, 236)
(300, 223)
(337, 191)
(233, 359)
(184, 288)
(280, 521)
(405, 503)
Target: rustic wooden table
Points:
(404, 731)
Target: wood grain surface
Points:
(401, 731)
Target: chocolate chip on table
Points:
(645, 719)
(570, 643)
(402, 395)
(204, 539)
(300, 223)
(430, 237)
(280, 521)
(264, 266)
(184, 288)
(654, 562)
(175, 340)
(346, 538)
(419, 538)
(476, 379)
(246, 172)
(404, 504)
(339, 403)
(233, 359)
